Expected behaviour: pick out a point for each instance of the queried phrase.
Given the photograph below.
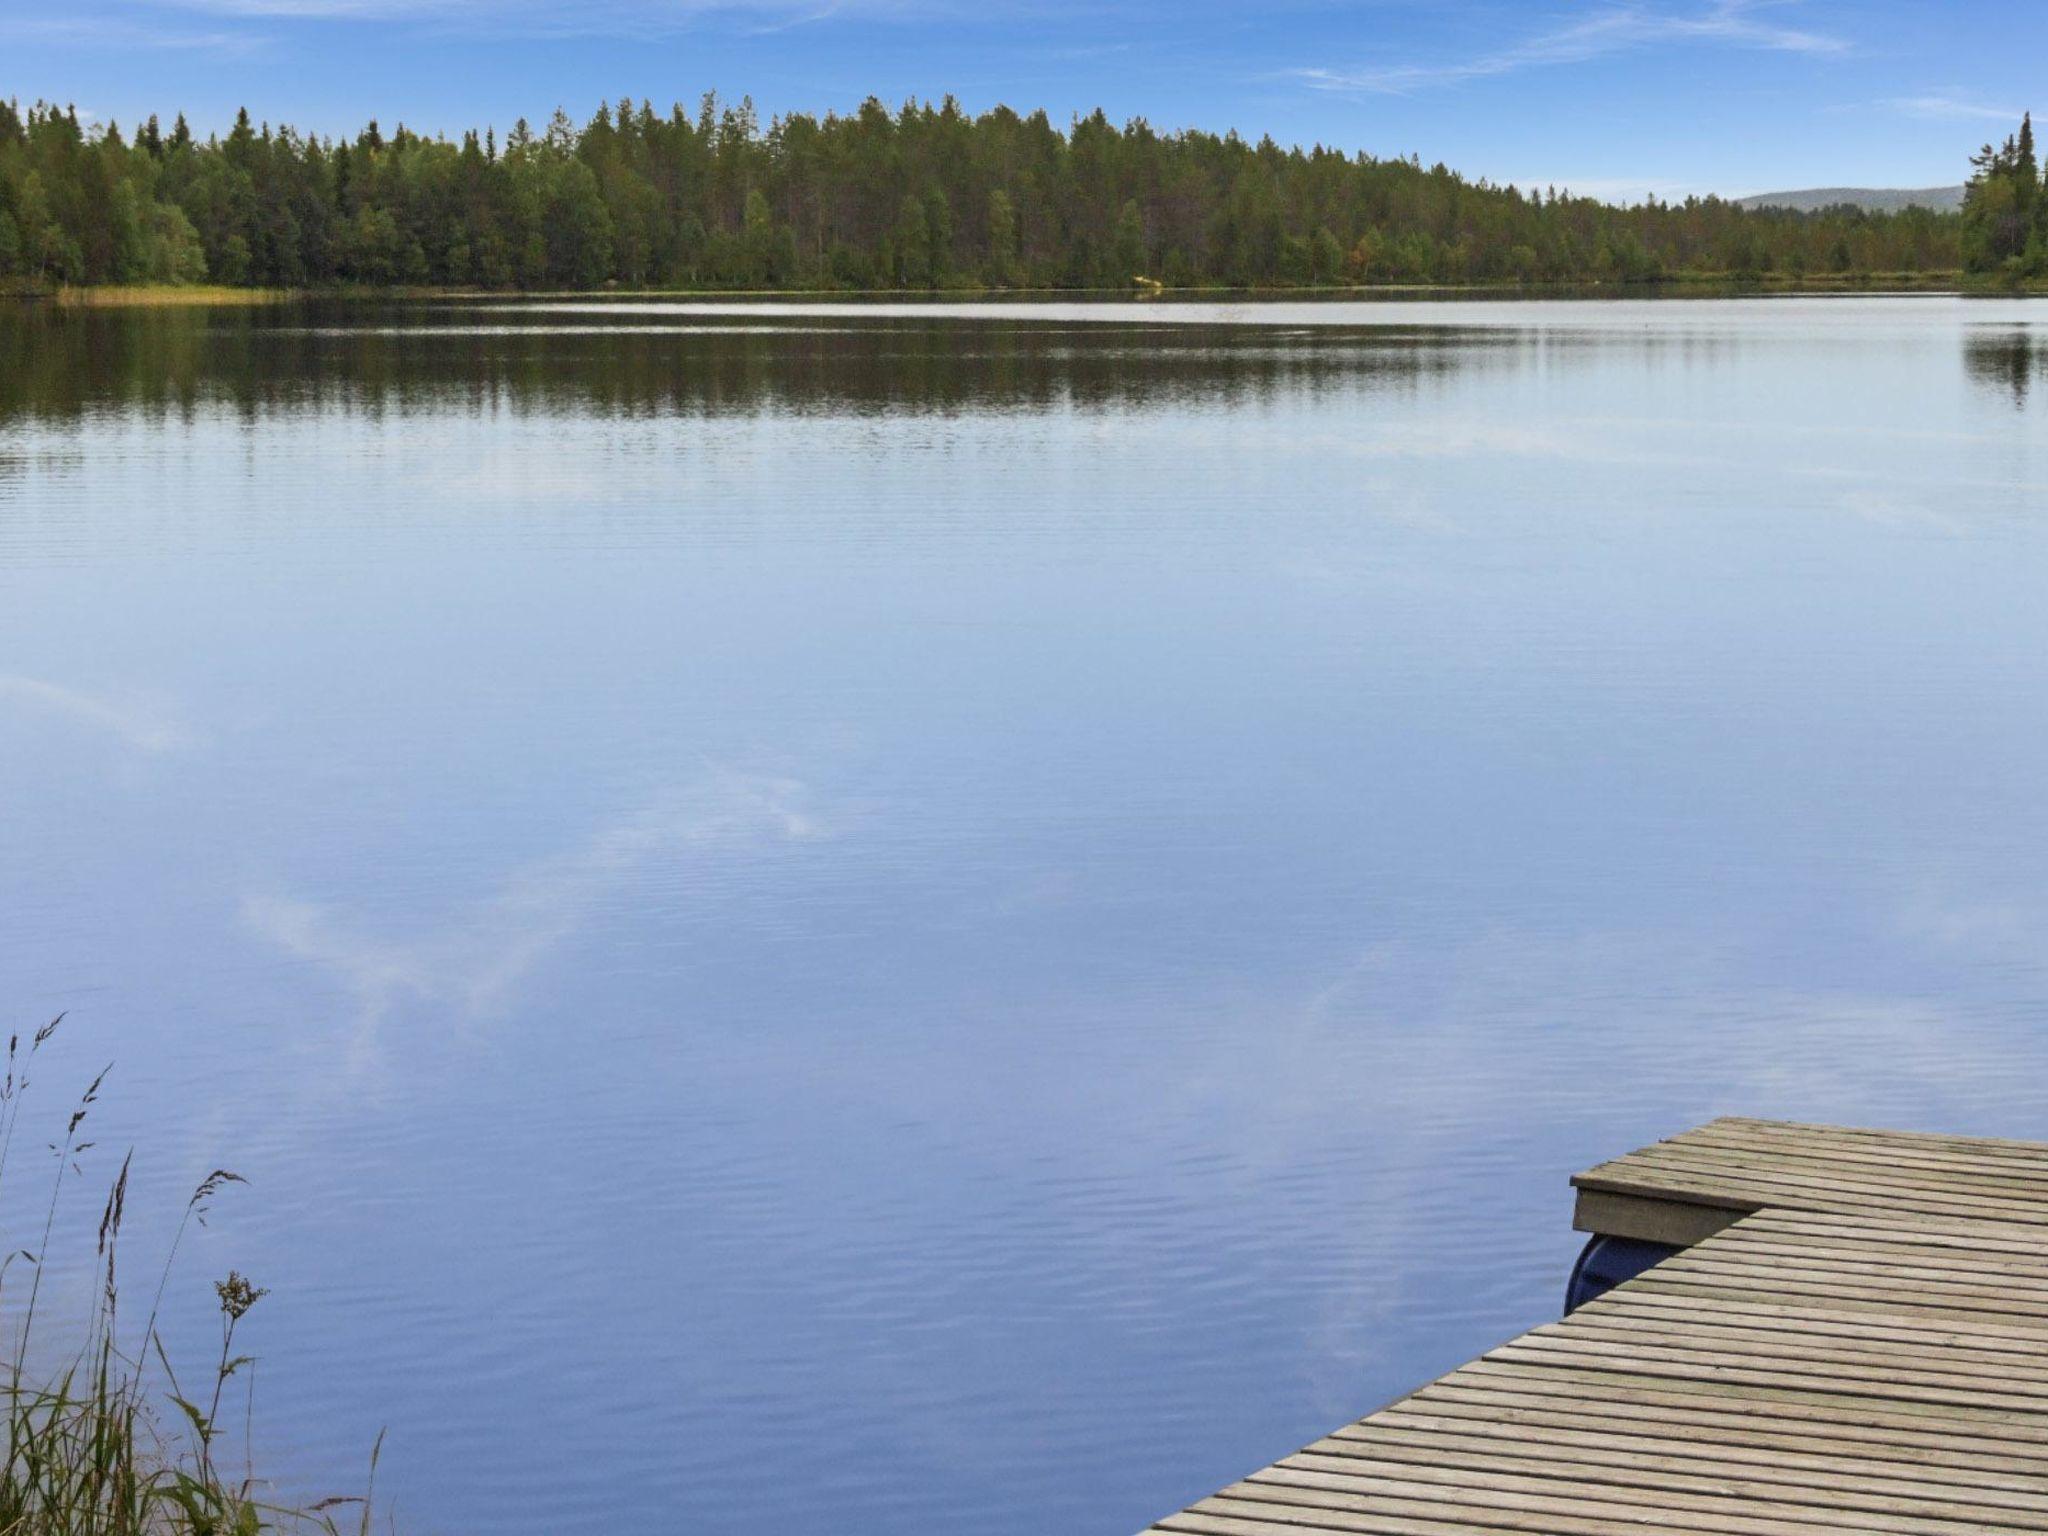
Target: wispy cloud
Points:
(472, 961)
(1941, 106)
(303, 10)
(141, 726)
(550, 18)
(107, 31)
(2002, 929)
(1889, 508)
(1610, 30)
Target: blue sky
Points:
(1614, 97)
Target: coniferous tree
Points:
(2000, 206)
(2026, 174)
(1128, 242)
(1002, 239)
(918, 196)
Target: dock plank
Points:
(1856, 1341)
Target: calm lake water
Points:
(935, 918)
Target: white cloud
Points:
(1939, 106)
(141, 726)
(1461, 440)
(358, 10)
(102, 31)
(1891, 509)
(597, 18)
(2003, 931)
(472, 961)
(1614, 29)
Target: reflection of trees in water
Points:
(2006, 360)
(58, 365)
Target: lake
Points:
(880, 918)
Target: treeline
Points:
(2005, 208)
(924, 197)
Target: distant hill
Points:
(1869, 199)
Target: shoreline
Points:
(1693, 285)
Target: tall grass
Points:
(107, 1439)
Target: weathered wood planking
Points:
(1691, 1186)
(1855, 1339)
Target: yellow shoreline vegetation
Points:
(163, 295)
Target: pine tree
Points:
(938, 225)
(1002, 240)
(1128, 242)
(2026, 172)
(1326, 256)
(241, 142)
(758, 227)
(2000, 205)
(912, 244)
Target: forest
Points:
(923, 197)
(2005, 209)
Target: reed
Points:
(109, 1441)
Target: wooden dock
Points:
(1854, 1339)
